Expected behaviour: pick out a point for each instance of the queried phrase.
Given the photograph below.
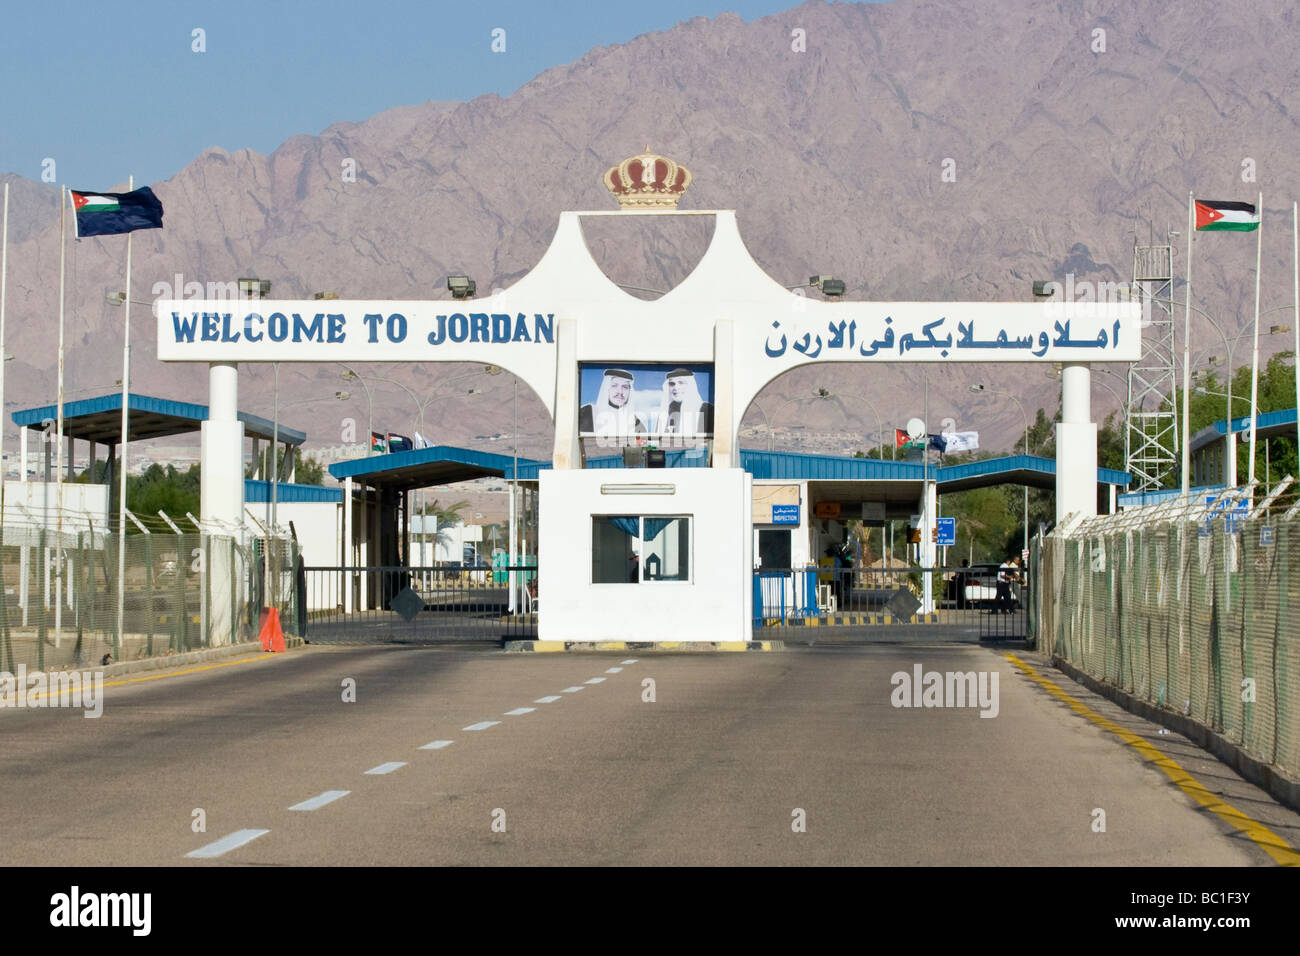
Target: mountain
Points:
(1067, 129)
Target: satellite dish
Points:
(915, 428)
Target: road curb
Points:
(1252, 768)
(641, 647)
(168, 661)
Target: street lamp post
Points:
(420, 406)
(351, 375)
(1025, 416)
(771, 436)
(826, 394)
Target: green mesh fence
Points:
(1193, 616)
(182, 592)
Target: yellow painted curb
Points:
(1264, 838)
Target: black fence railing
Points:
(418, 605)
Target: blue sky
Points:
(111, 88)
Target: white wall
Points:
(317, 525)
(716, 605)
(26, 504)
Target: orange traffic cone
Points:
(270, 633)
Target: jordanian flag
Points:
(110, 214)
(1212, 216)
(378, 444)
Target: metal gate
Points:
(396, 605)
(887, 602)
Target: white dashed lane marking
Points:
(226, 844)
(315, 803)
(241, 837)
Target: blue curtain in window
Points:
(655, 525)
(628, 526)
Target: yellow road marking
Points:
(1266, 839)
(136, 680)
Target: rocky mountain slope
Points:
(1065, 127)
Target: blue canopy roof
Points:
(100, 419)
(796, 466)
(437, 465)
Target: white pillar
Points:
(725, 428)
(926, 550)
(363, 553)
(221, 488)
(1076, 444)
(346, 540)
(566, 453)
(22, 453)
(513, 557)
(1230, 458)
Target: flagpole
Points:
(1187, 354)
(1254, 361)
(122, 447)
(58, 430)
(4, 275)
(1295, 239)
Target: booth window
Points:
(640, 549)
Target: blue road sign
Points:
(947, 528)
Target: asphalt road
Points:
(735, 750)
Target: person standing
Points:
(1007, 574)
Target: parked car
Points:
(979, 582)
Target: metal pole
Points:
(1187, 354)
(1254, 359)
(514, 507)
(275, 450)
(126, 412)
(58, 473)
(4, 274)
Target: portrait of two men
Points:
(637, 403)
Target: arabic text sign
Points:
(962, 332)
(785, 514)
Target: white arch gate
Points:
(728, 314)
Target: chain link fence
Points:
(181, 592)
(1190, 608)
